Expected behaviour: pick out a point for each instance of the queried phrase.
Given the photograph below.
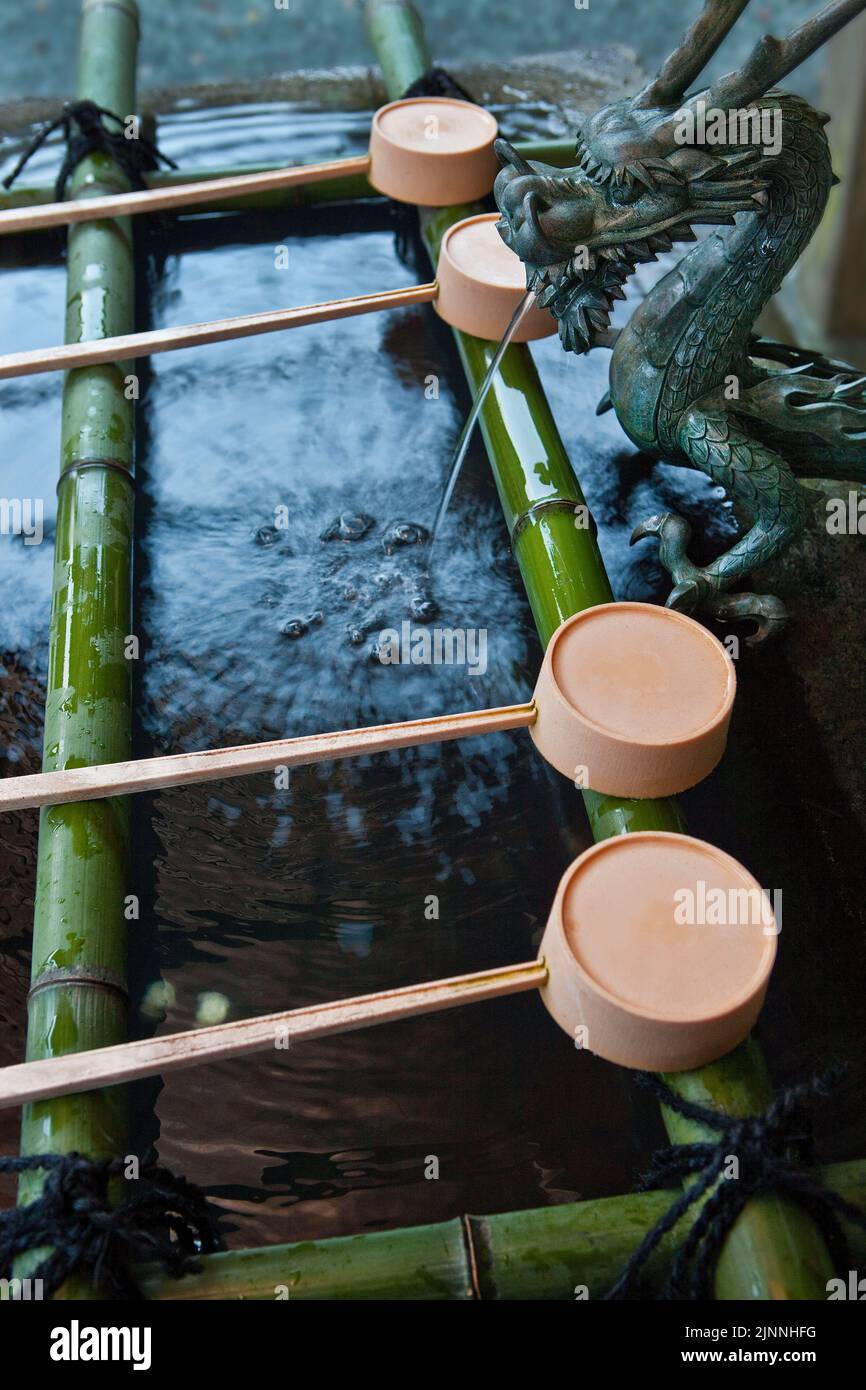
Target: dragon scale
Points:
(689, 382)
(725, 281)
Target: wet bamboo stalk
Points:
(78, 998)
(574, 1250)
(774, 1251)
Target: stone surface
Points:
(822, 580)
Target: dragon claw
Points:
(673, 533)
(685, 597)
(768, 612)
(650, 526)
(696, 591)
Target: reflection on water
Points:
(286, 485)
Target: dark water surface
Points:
(251, 629)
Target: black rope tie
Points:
(85, 132)
(161, 1219)
(436, 82)
(770, 1149)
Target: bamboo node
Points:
(92, 977)
(113, 465)
(573, 505)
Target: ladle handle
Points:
(109, 1066)
(175, 770)
(132, 345)
(182, 195)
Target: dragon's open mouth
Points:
(581, 290)
(581, 232)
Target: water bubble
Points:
(374, 655)
(423, 608)
(404, 533)
(358, 632)
(296, 627)
(267, 535)
(348, 526)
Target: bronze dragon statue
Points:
(689, 381)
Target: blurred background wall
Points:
(213, 40)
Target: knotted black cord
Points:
(436, 82)
(770, 1149)
(163, 1220)
(85, 132)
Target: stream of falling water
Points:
(481, 395)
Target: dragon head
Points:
(647, 170)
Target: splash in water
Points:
(481, 395)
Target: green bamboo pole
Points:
(775, 1250)
(396, 32)
(343, 189)
(548, 1253)
(78, 998)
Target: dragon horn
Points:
(691, 56)
(772, 59)
(508, 156)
